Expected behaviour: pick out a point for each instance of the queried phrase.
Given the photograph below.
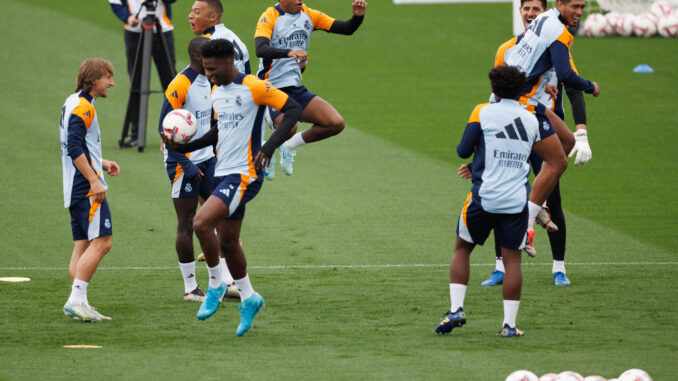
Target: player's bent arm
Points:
(469, 140)
(263, 49)
(560, 56)
(292, 111)
(347, 27)
(210, 138)
(553, 167)
(120, 10)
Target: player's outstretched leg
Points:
(326, 121)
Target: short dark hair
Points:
(219, 48)
(194, 47)
(507, 81)
(214, 5)
(543, 3)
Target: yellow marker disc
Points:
(83, 346)
(15, 279)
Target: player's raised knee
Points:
(336, 125)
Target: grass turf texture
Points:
(384, 192)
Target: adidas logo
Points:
(174, 94)
(87, 114)
(511, 132)
(190, 276)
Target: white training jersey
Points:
(288, 31)
(79, 133)
(530, 54)
(239, 108)
(502, 135)
(241, 57)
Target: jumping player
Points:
(281, 39)
(501, 135)
(84, 184)
(239, 102)
(554, 219)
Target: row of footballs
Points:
(526, 375)
(662, 19)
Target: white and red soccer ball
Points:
(635, 375)
(668, 25)
(661, 9)
(594, 378)
(179, 126)
(549, 377)
(596, 25)
(644, 25)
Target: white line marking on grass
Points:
(385, 266)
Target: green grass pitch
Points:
(351, 252)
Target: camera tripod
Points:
(140, 83)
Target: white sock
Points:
(500, 265)
(245, 287)
(533, 209)
(559, 266)
(457, 294)
(188, 273)
(78, 292)
(225, 274)
(215, 276)
(510, 312)
(295, 141)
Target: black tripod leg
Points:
(165, 51)
(144, 90)
(133, 92)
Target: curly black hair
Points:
(507, 81)
(218, 49)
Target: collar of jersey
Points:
(85, 95)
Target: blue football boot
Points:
(495, 279)
(248, 309)
(560, 279)
(211, 303)
(450, 321)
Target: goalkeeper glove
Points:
(581, 148)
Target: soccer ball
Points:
(661, 9)
(570, 376)
(644, 25)
(179, 126)
(594, 378)
(549, 377)
(635, 375)
(596, 25)
(522, 375)
(668, 26)
(623, 24)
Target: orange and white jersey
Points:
(125, 8)
(239, 108)
(79, 134)
(287, 31)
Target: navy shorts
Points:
(235, 191)
(299, 94)
(183, 187)
(90, 219)
(475, 225)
